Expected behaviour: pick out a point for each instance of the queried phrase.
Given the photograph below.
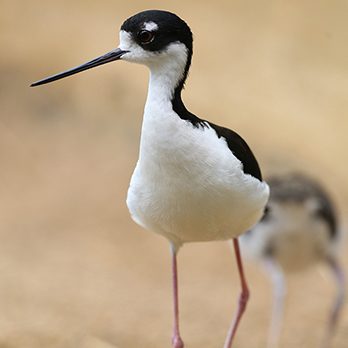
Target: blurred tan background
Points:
(75, 271)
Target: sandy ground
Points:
(75, 271)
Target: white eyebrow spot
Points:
(150, 26)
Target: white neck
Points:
(166, 71)
(167, 68)
(162, 83)
(160, 120)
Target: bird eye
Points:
(146, 36)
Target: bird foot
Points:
(177, 342)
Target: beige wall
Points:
(74, 269)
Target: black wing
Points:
(240, 149)
(235, 143)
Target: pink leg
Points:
(337, 306)
(176, 339)
(243, 298)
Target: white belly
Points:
(192, 188)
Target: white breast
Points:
(187, 184)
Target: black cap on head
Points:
(170, 28)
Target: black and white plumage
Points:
(299, 229)
(194, 181)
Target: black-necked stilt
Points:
(299, 229)
(194, 181)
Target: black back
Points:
(235, 142)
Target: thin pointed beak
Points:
(106, 58)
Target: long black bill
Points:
(106, 58)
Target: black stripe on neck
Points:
(180, 108)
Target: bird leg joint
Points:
(177, 341)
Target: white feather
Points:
(150, 26)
